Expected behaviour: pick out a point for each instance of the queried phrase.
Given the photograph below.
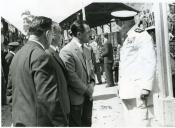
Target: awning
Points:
(97, 14)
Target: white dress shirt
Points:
(56, 49)
(12, 52)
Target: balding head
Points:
(57, 34)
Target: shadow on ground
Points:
(104, 97)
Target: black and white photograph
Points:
(87, 63)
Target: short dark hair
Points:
(39, 25)
(77, 26)
(106, 35)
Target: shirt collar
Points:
(32, 38)
(56, 49)
(77, 41)
(12, 52)
(53, 47)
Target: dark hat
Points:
(14, 44)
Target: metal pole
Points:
(102, 29)
(83, 11)
(167, 50)
(159, 46)
(110, 27)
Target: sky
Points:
(58, 10)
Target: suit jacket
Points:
(137, 65)
(61, 75)
(80, 71)
(107, 52)
(32, 88)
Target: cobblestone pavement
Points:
(107, 108)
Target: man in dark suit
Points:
(78, 61)
(4, 70)
(59, 68)
(33, 81)
(108, 61)
(13, 48)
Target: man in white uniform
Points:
(136, 75)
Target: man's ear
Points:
(47, 34)
(78, 34)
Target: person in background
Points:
(116, 64)
(137, 73)
(32, 89)
(13, 48)
(107, 54)
(78, 61)
(97, 46)
(172, 61)
(60, 69)
(89, 46)
(4, 69)
(95, 49)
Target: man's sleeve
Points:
(149, 62)
(47, 90)
(75, 82)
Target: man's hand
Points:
(90, 89)
(144, 94)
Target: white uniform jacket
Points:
(137, 64)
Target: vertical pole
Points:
(110, 27)
(102, 29)
(167, 50)
(96, 30)
(83, 11)
(160, 48)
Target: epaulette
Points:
(139, 30)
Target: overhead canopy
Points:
(97, 14)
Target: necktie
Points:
(57, 49)
(83, 54)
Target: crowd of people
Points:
(52, 84)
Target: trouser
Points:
(3, 88)
(173, 81)
(109, 74)
(137, 113)
(116, 74)
(81, 115)
(99, 71)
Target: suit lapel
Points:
(57, 58)
(56, 55)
